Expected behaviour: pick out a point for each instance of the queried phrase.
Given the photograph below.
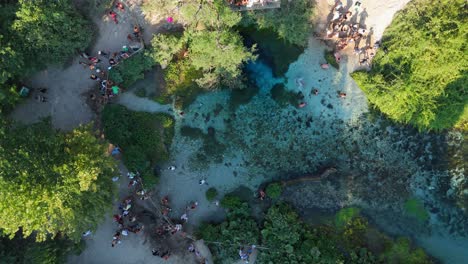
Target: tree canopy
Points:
(422, 79)
(34, 34)
(284, 238)
(53, 182)
(213, 45)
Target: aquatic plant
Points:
(330, 58)
(415, 208)
(274, 190)
(401, 252)
(212, 148)
(211, 194)
(284, 97)
(345, 215)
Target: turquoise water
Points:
(380, 164)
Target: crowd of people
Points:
(344, 29)
(103, 62)
(126, 219)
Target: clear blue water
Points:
(380, 164)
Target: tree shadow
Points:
(451, 104)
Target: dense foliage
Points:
(273, 190)
(143, 137)
(27, 251)
(422, 79)
(238, 229)
(52, 182)
(284, 238)
(210, 43)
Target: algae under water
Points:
(380, 165)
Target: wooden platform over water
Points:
(257, 5)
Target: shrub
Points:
(345, 215)
(211, 194)
(132, 69)
(401, 252)
(274, 190)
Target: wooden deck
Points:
(257, 5)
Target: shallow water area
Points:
(380, 165)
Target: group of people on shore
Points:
(344, 29)
(126, 221)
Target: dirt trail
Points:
(135, 103)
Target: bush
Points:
(345, 215)
(415, 208)
(211, 194)
(401, 252)
(231, 202)
(274, 190)
(422, 79)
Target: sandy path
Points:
(66, 86)
(135, 103)
(374, 15)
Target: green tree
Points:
(49, 32)
(274, 190)
(213, 46)
(53, 182)
(422, 80)
(238, 230)
(132, 69)
(164, 47)
(218, 54)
